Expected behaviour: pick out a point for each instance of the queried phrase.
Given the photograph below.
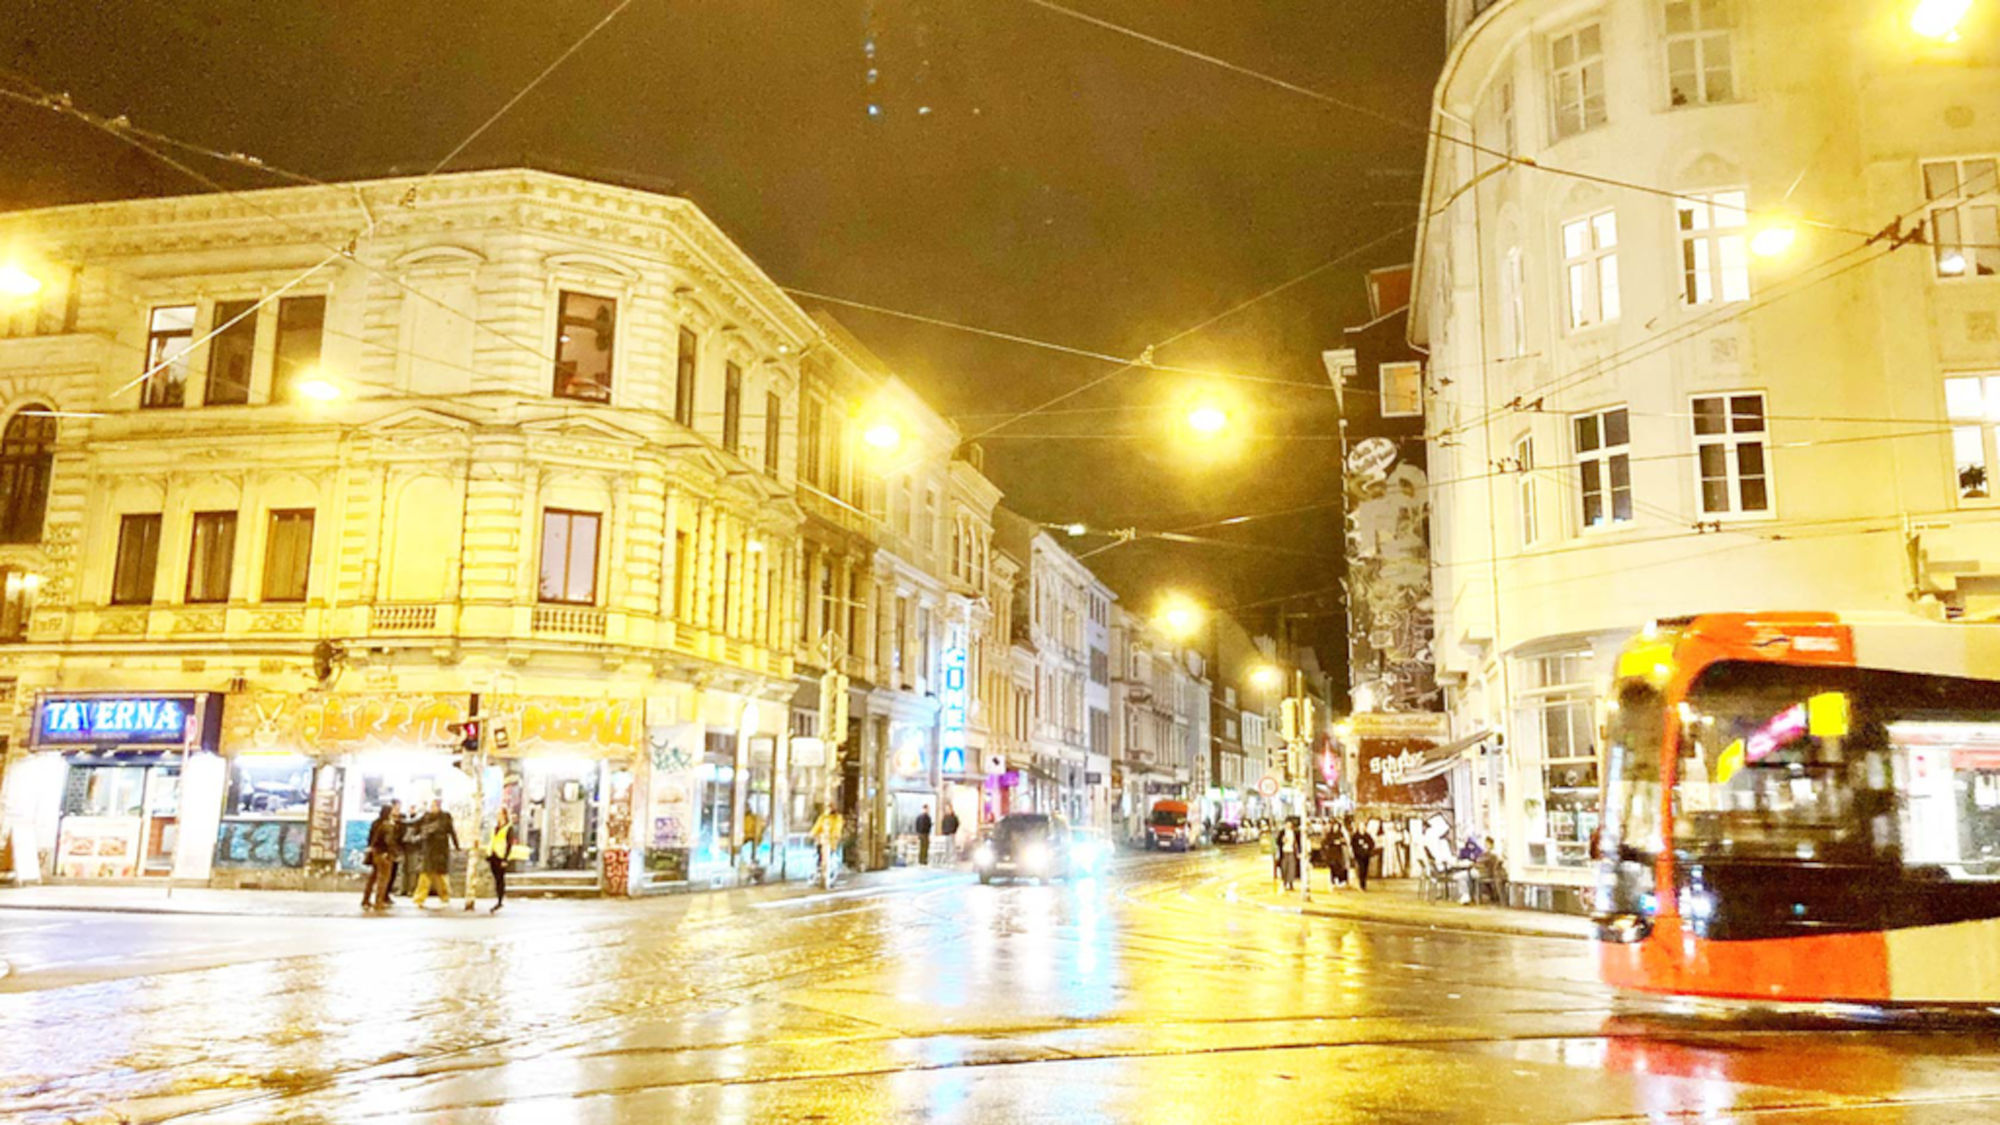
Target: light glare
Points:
(1774, 240)
(882, 435)
(1207, 420)
(18, 282)
(318, 388)
(1940, 19)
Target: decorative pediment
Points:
(575, 263)
(416, 421)
(587, 426)
(442, 256)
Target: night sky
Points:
(1067, 184)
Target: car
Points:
(1244, 832)
(1024, 846)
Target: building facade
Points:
(1686, 377)
(1160, 721)
(519, 450)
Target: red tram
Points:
(1804, 807)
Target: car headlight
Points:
(983, 856)
(1034, 857)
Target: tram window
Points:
(1950, 769)
(1632, 759)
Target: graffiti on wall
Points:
(1389, 575)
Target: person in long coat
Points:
(1364, 854)
(1335, 847)
(440, 836)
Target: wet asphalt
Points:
(1164, 991)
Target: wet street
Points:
(1169, 990)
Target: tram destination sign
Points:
(106, 721)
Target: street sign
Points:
(1269, 786)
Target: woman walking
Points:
(499, 850)
(1335, 847)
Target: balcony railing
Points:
(580, 621)
(403, 618)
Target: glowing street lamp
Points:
(17, 282)
(1266, 677)
(883, 436)
(1076, 530)
(1207, 421)
(1180, 617)
(318, 388)
(1940, 19)
(1774, 239)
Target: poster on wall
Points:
(261, 843)
(323, 838)
(1396, 771)
(673, 753)
(1389, 602)
(98, 847)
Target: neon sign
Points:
(117, 721)
(951, 722)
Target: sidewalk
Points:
(161, 899)
(1395, 901)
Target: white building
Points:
(1160, 721)
(1632, 415)
(311, 474)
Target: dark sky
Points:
(1069, 184)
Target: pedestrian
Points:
(1392, 851)
(1364, 854)
(1335, 849)
(499, 849)
(949, 828)
(1288, 854)
(828, 828)
(753, 835)
(439, 836)
(924, 837)
(383, 845)
(409, 857)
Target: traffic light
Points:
(1288, 720)
(468, 732)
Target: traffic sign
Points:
(1269, 786)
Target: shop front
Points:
(912, 785)
(118, 780)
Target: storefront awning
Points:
(1439, 759)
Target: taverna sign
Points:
(119, 720)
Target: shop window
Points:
(569, 557)
(1730, 454)
(586, 328)
(27, 457)
(105, 791)
(169, 336)
(278, 786)
(230, 352)
(288, 555)
(1701, 64)
(685, 361)
(301, 322)
(1557, 718)
(1715, 247)
(1964, 197)
(211, 556)
(138, 559)
(732, 407)
(774, 430)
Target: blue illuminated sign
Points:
(117, 720)
(951, 723)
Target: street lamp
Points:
(17, 282)
(1207, 420)
(1180, 616)
(1774, 239)
(1266, 677)
(883, 436)
(1940, 19)
(318, 388)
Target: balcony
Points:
(403, 619)
(569, 620)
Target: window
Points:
(685, 363)
(1729, 454)
(1715, 256)
(569, 557)
(300, 323)
(1965, 215)
(1576, 80)
(683, 577)
(1700, 54)
(274, 787)
(288, 555)
(1590, 262)
(27, 455)
(230, 353)
(1513, 306)
(1604, 467)
(774, 430)
(732, 407)
(1558, 719)
(1510, 138)
(1972, 403)
(1524, 491)
(809, 441)
(1402, 389)
(138, 559)
(211, 553)
(586, 328)
(169, 335)
(17, 602)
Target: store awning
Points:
(1438, 760)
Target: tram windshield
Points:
(1837, 765)
(1632, 773)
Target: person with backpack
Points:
(383, 845)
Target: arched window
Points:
(27, 450)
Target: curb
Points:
(1469, 926)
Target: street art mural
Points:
(1389, 575)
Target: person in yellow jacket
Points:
(499, 849)
(826, 833)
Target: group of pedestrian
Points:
(948, 828)
(1347, 851)
(419, 847)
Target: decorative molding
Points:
(199, 621)
(282, 621)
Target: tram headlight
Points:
(983, 855)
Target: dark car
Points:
(1024, 846)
